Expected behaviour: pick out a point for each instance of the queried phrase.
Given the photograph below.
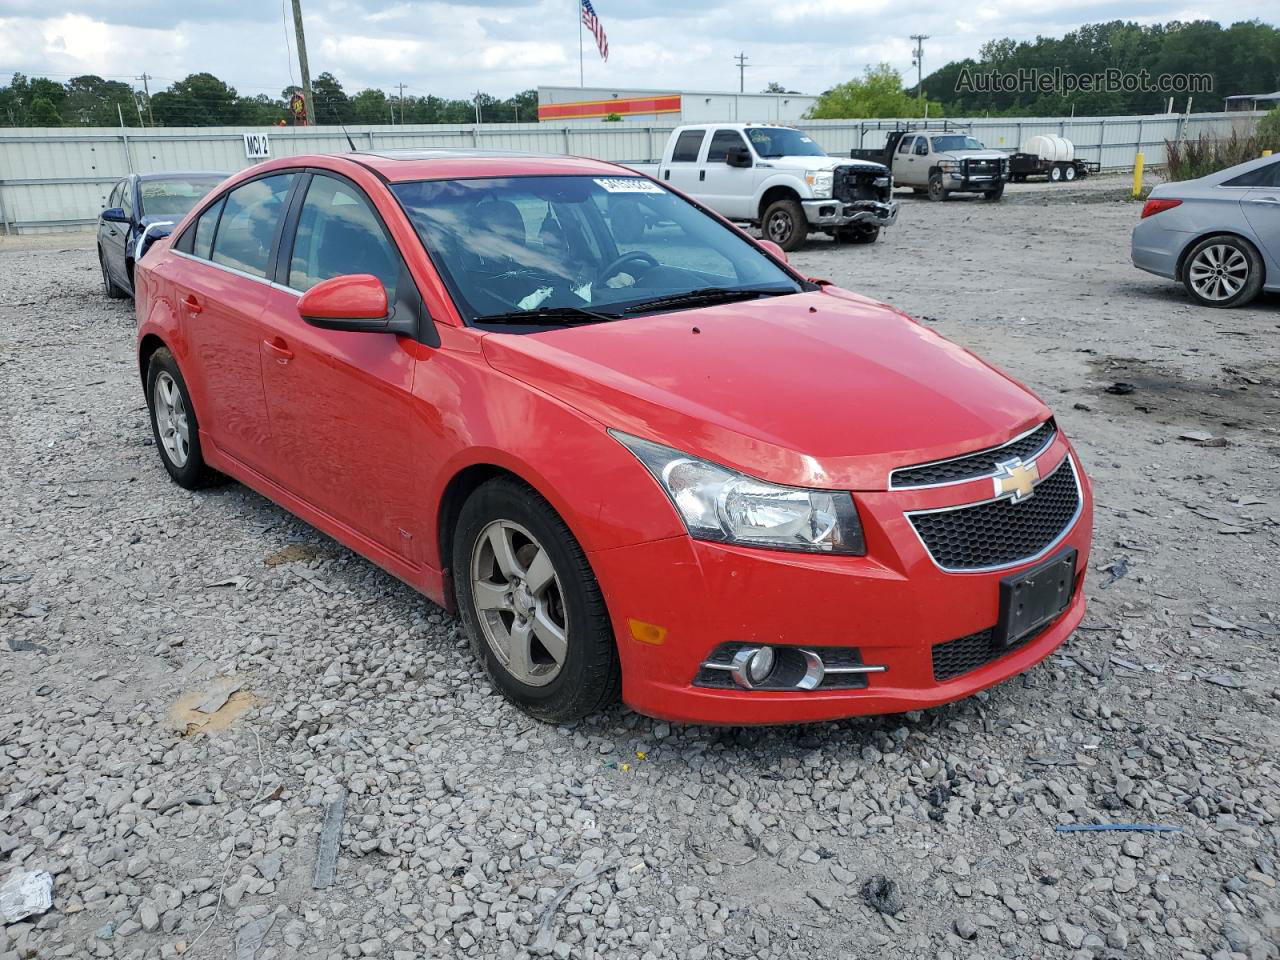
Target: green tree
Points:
(94, 102)
(332, 103)
(44, 114)
(877, 93)
(197, 101)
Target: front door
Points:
(221, 295)
(1262, 209)
(340, 402)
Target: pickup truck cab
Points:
(777, 178)
(941, 163)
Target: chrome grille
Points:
(974, 466)
(1001, 533)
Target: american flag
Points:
(592, 23)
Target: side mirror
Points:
(115, 215)
(773, 250)
(741, 157)
(357, 303)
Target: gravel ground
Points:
(469, 830)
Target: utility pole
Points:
(742, 66)
(147, 91)
(919, 38)
(401, 103)
(301, 39)
(478, 120)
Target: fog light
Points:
(752, 665)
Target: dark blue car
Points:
(142, 208)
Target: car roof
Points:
(398, 166)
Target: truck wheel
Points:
(1069, 172)
(784, 223)
(1223, 271)
(991, 196)
(858, 234)
(1055, 173)
(936, 190)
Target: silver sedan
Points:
(1219, 235)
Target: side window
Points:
(202, 246)
(250, 215)
(126, 198)
(905, 145)
(687, 146)
(922, 146)
(722, 142)
(114, 199)
(1264, 176)
(339, 234)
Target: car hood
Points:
(809, 164)
(972, 155)
(822, 389)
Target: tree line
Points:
(203, 100)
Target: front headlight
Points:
(820, 182)
(720, 504)
(949, 166)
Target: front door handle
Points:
(276, 347)
(192, 304)
(1264, 199)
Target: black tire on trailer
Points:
(1055, 173)
(531, 605)
(785, 224)
(1069, 172)
(937, 192)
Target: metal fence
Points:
(58, 179)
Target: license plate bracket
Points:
(1035, 597)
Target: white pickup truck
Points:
(779, 179)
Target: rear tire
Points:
(112, 289)
(1069, 172)
(937, 192)
(540, 627)
(1055, 173)
(1223, 271)
(173, 423)
(784, 223)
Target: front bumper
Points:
(833, 214)
(893, 605)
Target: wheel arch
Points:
(772, 194)
(1205, 235)
(147, 347)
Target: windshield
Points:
(174, 198)
(956, 142)
(783, 142)
(599, 244)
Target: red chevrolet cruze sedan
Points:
(637, 452)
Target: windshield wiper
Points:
(705, 295)
(565, 315)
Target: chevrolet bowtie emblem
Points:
(1017, 478)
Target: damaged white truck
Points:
(778, 179)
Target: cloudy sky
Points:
(502, 46)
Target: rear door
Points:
(728, 190)
(904, 163)
(340, 402)
(221, 296)
(681, 169)
(1261, 206)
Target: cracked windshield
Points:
(524, 248)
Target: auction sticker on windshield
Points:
(628, 185)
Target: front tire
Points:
(858, 234)
(173, 423)
(784, 223)
(1223, 271)
(993, 195)
(531, 604)
(937, 192)
(112, 289)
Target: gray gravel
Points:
(470, 830)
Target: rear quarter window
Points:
(247, 228)
(206, 225)
(1264, 176)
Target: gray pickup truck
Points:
(941, 163)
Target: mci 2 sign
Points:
(257, 146)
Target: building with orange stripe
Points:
(596, 104)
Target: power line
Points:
(742, 66)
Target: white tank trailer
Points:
(1051, 157)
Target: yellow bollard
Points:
(1266, 153)
(1137, 175)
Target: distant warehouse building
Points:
(594, 104)
(1252, 101)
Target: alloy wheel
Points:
(171, 420)
(519, 602)
(1218, 272)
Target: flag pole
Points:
(580, 69)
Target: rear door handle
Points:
(192, 304)
(276, 347)
(702, 174)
